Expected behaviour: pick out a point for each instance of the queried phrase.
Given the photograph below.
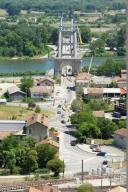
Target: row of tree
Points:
(115, 41)
(24, 40)
(23, 157)
(16, 6)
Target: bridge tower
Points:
(67, 57)
(67, 39)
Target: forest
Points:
(25, 40)
(15, 6)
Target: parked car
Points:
(74, 142)
(63, 121)
(94, 146)
(104, 154)
(105, 162)
(58, 112)
(116, 114)
(96, 149)
(59, 106)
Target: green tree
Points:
(87, 130)
(26, 84)
(107, 127)
(56, 166)
(13, 9)
(86, 188)
(98, 47)
(38, 109)
(45, 153)
(81, 117)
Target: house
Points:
(37, 126)
(98, 114)
(93, 93)
(42, 92)
(11, 127)
(46, 81)
(111, 92)
(45, 188)
(120, 138)
(83, 79)
(15, 93)
(101, 81)
(122, 82)
(118, 189)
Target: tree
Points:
(81, 117)
(26, 84)
(13, 9)
(86, 188)
(111, 68)
(87, 130)
(98, 47)
(56, 166)
(107, 127)
(45, 153)
(85, 34)
(38, 109)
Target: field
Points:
(20, 113)
(3, 13)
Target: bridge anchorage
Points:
(67, 61)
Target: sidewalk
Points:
(95, 183)
(86, 148)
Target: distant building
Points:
(93, 93)
(83, 79)
(46, 81)
(11, 127)
(15, 93)
(120, 138)
(42, 92)
(104, 92)
(101, 81)
(124, 73)
(37, 126)
(111, 92)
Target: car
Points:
(96, 149)
(104, 154)
(58, 112)
(105, 162)
(63, 121)
(74, 142)
(94, 146)
(116, 114)
(59, 106)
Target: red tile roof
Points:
(45, 188)
(121, 132)
(37, 118)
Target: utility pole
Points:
(82, 172)
(101, 178)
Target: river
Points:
(43, 65)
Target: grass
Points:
(104, 141)
(19, 113)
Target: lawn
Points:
(9, 112)
(104, 141)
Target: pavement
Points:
(111, 150)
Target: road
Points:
(72, 155)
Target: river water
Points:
(43, 64)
